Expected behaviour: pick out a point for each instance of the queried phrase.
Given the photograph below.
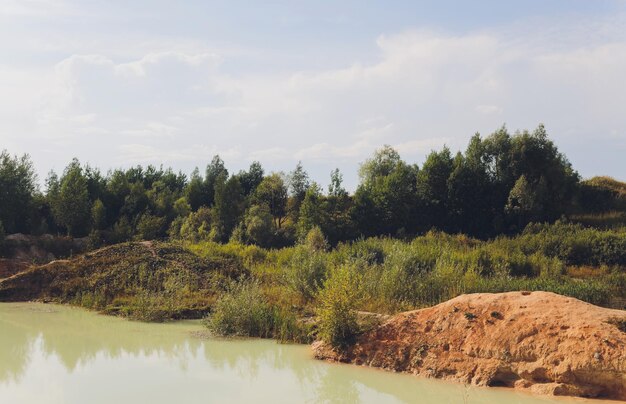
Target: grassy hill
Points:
(143, 280)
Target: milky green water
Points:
(59, 354)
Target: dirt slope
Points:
(542, 341)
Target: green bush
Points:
(338, 299)
(242, 311)
(306, 272)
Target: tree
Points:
(182, 207)
(469, 204)
(432, 188)
(214, 171)
(298, 182)
(522, 202)
(259, 225)
(273, 193)
(150, 227)
(194, 191)
(384, 202)
(298, 185)
(71, 206)
(197, 226)
(98, 215)
(17, 187)
(384, 161)
(228, 207)
(311, 211)
(335, 188)
(315, 241)
(252, 178)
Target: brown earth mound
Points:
(542, 341)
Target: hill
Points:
(143, 280)
(540, 341)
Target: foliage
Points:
(17, 187)
(306, 272)
(272, 192)
(338, 299)
(70, 200)
(244, 311)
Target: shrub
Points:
(306, 272)
(242, 311)
(338, 320)
(315, 240)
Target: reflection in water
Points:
(58, 354)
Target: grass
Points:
(294, 293)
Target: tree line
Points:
(497, 185)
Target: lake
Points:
(60, 354)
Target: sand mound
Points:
(542, 341)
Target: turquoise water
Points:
(59, 354)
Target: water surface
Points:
(59, 354)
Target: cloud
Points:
(415, 90)
(36, 8)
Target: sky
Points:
(120, 83)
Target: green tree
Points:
(382, 164)
(432, 188)
(259, 225)
(228, 206)
(384, 202)
(17, 187)
(252, 178)
(98, 215)
(522, 202)
(214, 171)
(197, 226)
(194, 191)
(71, 207)
(311, 211)
(272, 192)
(315, 241)
(150, 227)
(335, 188)
(182, 207)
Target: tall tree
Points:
(335, 188)
(311, 211)
(272, 192)
(384, 202)
(17, 187)
(252, 178)
(432, 188)
(194, 191)
(214, 171)
(228, 207)
(71, 206)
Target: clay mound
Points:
(548, 343)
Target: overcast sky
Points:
(119, 83)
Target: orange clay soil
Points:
(541, 341)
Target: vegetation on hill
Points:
(275, 256)
(147, 281)
(497, 185)
(296, 292)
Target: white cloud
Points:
(422, 90)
